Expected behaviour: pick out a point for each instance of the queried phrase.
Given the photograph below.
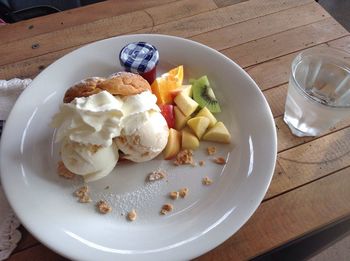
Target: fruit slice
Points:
(189, 140)
(166, 83)
(180, 118)
(204, 95)
(173, 146)
(167, 111)
(186, 89)
(186, 104)
(206, 113)
(199, 125)
(218, 133)
(177, 75)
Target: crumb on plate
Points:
(207, 181)
(166, 208)
(63, 171)
(211, 150)
(183, 192)
(132, 215)
(156, 175)
(220, 160)
(174, 195)
(184, 157)
(201, 163)
(82, 194)
(103, 207)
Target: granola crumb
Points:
(132, 215)
(201, 163)
(166, 208)
(156, 175)
(82, 194)
(81, 191)
(184, 157)
(183, 192)
(94, 148)
(63, 171)
(103, 207)
(85, 199)
(174, 195)
(207, 181)
(211, 150)
(220, 160)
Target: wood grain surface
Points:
(310, 185)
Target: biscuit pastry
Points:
(83, 88)
(125, 84)
(121, 83)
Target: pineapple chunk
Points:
(189, 140)
(186, 104)
(173, 146)
(187, 90)
(180, 118)
(206, 113)
(199, 125)
(218, 133)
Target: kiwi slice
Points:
(204, 95)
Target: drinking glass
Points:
(318, 92)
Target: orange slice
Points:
(166, 83)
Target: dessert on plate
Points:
(100, 117)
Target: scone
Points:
(121, 84)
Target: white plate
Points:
(208, 216)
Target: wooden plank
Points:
(38, 252)
(316, 158)
(276, 72)
(223, 3)
(287, 140)
(262, 26)
(31, 67)
(273, 72)
(276, 98)
(287, 217)
(73, 17)
(221, 17)
(101, 29)
(280, 44)
(180, 9)
(278, 182)
(342, 43)
(73, 36)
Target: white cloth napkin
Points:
(9, 235)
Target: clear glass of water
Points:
(318, 92)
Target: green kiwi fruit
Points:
(204, 95)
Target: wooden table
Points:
(310, 187)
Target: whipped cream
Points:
(90, 120)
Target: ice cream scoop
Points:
(146, 139)
(90, 161)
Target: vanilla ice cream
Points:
(144, 130)
(91, 161)
(90, 120)
(146, 139)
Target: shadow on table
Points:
(311, 244)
